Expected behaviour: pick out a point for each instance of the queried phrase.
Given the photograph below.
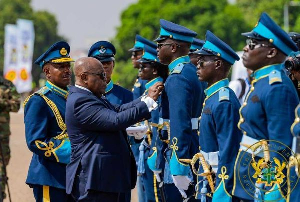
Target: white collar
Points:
(83, 88)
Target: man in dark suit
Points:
(102, 165)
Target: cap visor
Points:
(134, 49)
(253, 35)
(160, 38)
(202, 52)
(106, 59)
(142, 60)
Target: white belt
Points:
(251, 141)
(212, 158)
(194, 122)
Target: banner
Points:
(10, 69)
(25, 52)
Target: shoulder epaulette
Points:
(223, 94)
(274, 77)
(43, 91)
(178, 69)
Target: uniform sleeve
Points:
(226, 117)
(37, 118)
(179, 95)
(93, 115)
(280, 107)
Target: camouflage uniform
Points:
(9, 102)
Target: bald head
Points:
(86, 64)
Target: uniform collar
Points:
(216, 87)
(174, 63)
(57, 90)
(109, 86)
(152, 82)
(264, 71)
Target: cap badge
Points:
(63, 51)
(102, 49)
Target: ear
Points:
(46, 70)
(113, 63)
(174, 47)
(83, 77)
(154, 71)
(272, 53)
(218, 64)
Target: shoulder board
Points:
(42, 91)
(275, 77)
(223, 94)
(178, 69)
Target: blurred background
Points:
(81, 23)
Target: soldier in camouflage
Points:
(9, 102)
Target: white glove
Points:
(156, 173)
(182, 182)
(137, 131)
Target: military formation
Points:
(190, 139)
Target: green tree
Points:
(142, 18)
(253, 9)
(45, 25)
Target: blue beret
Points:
(215, 46)
(103, 51)
(57, 53)
(150, 55)
(140, 42)
(174, 31)
(267, 29)
(196, 45)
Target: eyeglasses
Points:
(102, 75)
(253, 45)
(202, 62)
(160, 45)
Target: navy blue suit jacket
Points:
(99, 142)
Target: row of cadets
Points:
(105, 52)
(138, 90)
(219, 135)
(267, 110)
(181, 106)
(45, 128)
(294, 162)
(152, 71)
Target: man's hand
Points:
(155, 90)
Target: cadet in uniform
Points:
(138, 90)
(196, 46)
(181, 105)
(105, 52)
(152, 71)
(45, 129)
(9, 102)
(267, 110)
(219, 136)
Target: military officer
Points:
(105, 52)
(181, 105)
(151, 71)
(265, 114)
(9, 102)
(196, 45)
(138, 90)
(45, 129)
(219, 136)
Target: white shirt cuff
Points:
(151, 104)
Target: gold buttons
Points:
(245, 103)
(271, 40)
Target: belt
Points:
(194, 122)
(212, 158)
(246, 140)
